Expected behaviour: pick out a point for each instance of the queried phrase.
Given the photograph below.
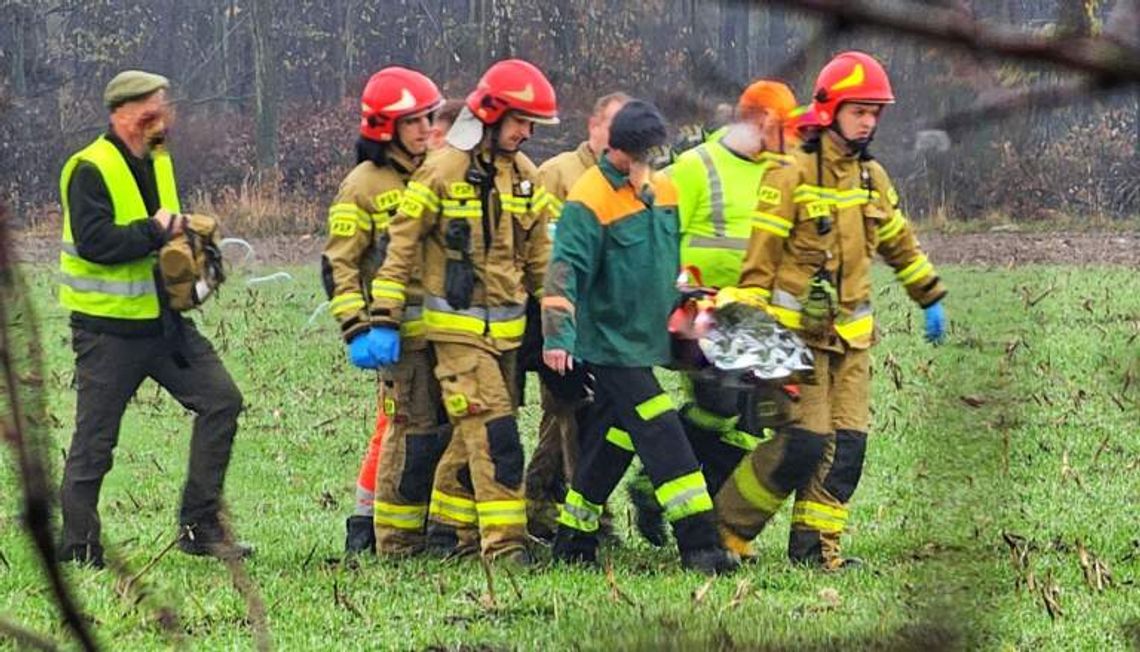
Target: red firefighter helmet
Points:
(514, 85)
(391, 94)
(850, 77)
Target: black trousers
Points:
(631, 402)
(108, 372)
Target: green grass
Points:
(1050, 452)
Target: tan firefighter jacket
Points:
(358, 223)
(509, 247)
(788, 248)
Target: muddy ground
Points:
(997, 248)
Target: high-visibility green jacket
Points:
(123, 290)
(716, 197)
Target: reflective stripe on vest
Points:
(120, 291)
(715, 240)
(716, 193)
(500, 322)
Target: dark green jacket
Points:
(612, 278)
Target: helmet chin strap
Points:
(857, 146)
(399, 144)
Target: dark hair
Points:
(371, 150)
(637, 128)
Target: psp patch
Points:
(770, 195)
(343, 226)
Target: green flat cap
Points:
(132, 85)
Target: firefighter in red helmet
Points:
(396, 110)
(818, 224)
(476, 216)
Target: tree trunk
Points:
(221, 80)
(348, 54)
(1136, 142)
(16, 74)
(265, 86)
(777, 38)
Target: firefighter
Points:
(817, 226)
(477, 213)
(716, 185)
(361, 534)
(120, 207)
(552, 464)
(611, 289)
(396, 116)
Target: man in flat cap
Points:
(120, 206)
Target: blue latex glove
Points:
(935, 323)
(384, 343)
(360, 352)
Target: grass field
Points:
(1024, 424)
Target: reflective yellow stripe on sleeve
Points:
(385, 289)
(892, 227)
(346, 218)
(417, 197)
(346, 304)
(915, 271)
(773, 224)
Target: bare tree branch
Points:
(1112, 59)
(20, 423)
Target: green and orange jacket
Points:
(611, 284)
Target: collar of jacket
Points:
(402, 162)
(616, 178)
(587, 155)
(503, 160)
(835, 152)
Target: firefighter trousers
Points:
(416, 436)
(819, 458)
(477, 491)
(632, 414)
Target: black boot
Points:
(648, 517)
(360, 535)
(443, 541)
(574, 547)
(710, 561)
(90, 555)
(209, 540)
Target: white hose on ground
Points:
(249, 253)
(316, 313)
(276, 276)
